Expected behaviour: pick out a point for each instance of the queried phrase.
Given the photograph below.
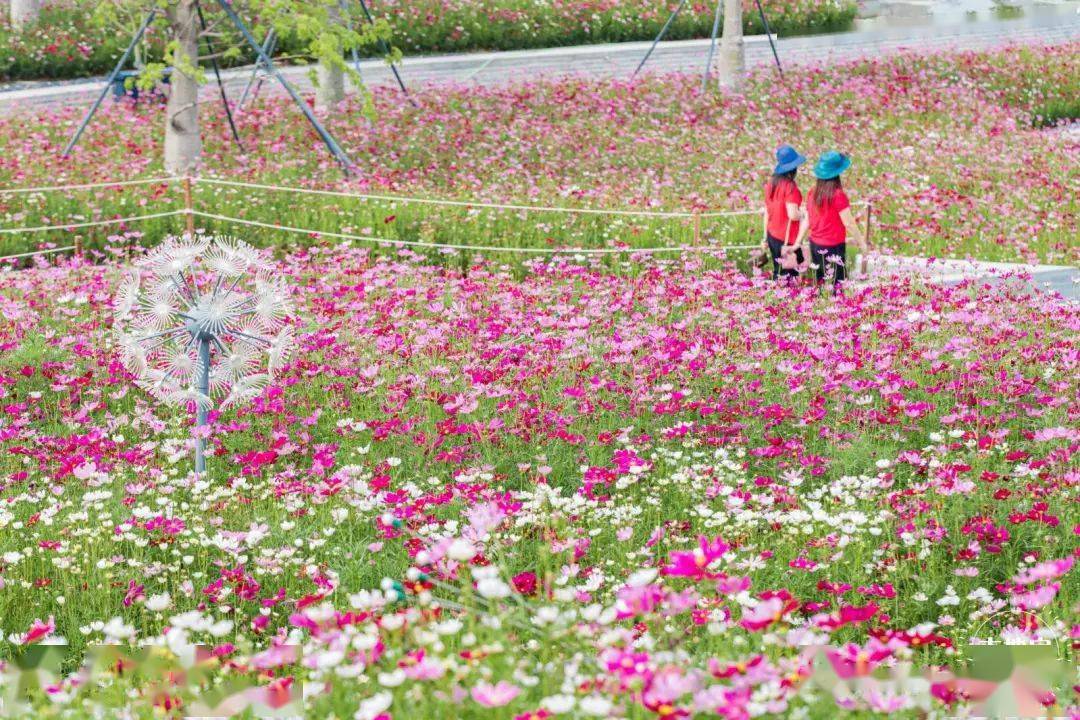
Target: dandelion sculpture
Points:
(203, 317)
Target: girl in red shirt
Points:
(829, 220)
(783, 214)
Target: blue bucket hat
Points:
(787, 159)
(830, 165)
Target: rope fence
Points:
(190, 212)
(84, 186)
(476, 248)
(50, 251)
(93, 223)
(480, 203)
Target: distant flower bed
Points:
(65, 45)
(942, 144)
(451, 25)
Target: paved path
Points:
(1047, 278)
(612, 60)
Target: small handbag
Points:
(789, 259)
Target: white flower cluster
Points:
(213, 289)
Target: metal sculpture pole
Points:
(659, 37)
(324, 134)
(202, 412)
(712, 46)
(768, 34)
(268, 47)
(109, 82)
(344, 7)
(190, 328)
(217, 74)
(385, 50)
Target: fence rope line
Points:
(95, 223)
(50, 251)
(682, 214)
(475, 248)
(84, 186)
(475, 203)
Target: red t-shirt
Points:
(826, 227)
(778, 227)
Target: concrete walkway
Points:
(606, 61)
(1047, 278)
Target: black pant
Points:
(830, 261)
(775, 245)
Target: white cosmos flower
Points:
(595, 705)
(159, 602)
(461, 550)
(374, 706)
(558, 704)
(492, 589)
(116, 630)
(392, 679)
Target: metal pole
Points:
(659, 37)
(268, 46)
(712, 46)
(768, 34)
(344, 7)
(109, 82)
(189, 206)
(384, 49)
(217, 74)
(327, 138)
(200, 411)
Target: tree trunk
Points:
(183, 143)
(330, 89)
(24, 12)
(732, 52)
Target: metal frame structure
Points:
(263, 60)
(259, 72)
(712, 39)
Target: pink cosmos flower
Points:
(418, 666)
(764, 614)
(1045, 571)
(694, 564)
(39, 630)
(856, 661)
(495, 695)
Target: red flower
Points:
(525, 583)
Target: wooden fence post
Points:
(869, 220)
(189, 207)
(869, 223)
(78, 246)
(697, 228)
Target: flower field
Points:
(563, 490)
(66, 44)
(949, 147)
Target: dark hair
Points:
(825, 190)
(779, 179)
